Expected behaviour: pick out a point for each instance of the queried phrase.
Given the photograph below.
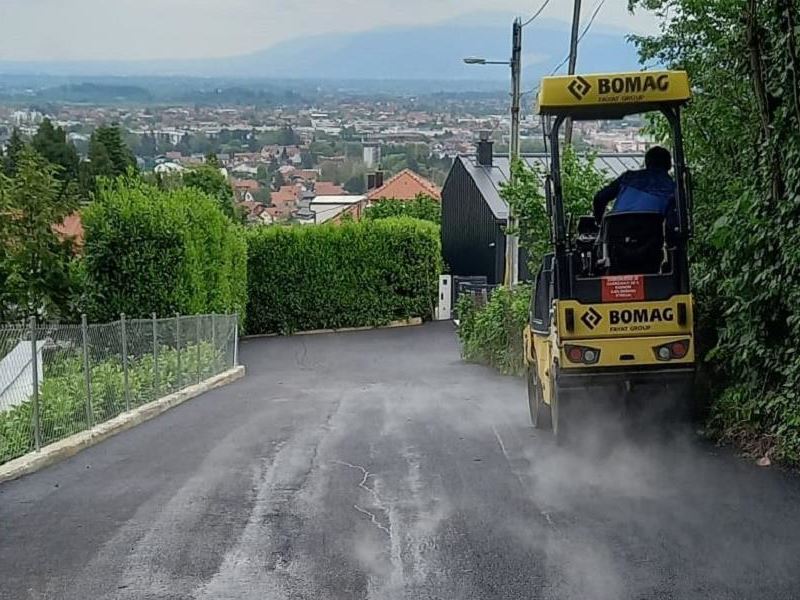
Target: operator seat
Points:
(632, 243)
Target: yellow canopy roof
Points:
(611, 96)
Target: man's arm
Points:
(671, 221)
(604, 196)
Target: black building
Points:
(474, 216)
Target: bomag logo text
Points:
(632, 85)
(641, 315)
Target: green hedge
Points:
(333, 276)
(491, 334)
(149, 250)
(422, 207)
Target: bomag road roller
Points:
(611, 319)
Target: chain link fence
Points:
(57, 380)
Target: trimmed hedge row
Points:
(421, 207)
(334, 276)
(149, 250)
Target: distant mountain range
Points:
(432, 52)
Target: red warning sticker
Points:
(622, 288)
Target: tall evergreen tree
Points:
(13, 149)
(109, 155)
(51, 143)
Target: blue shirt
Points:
(648, 190)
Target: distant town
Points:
(313, 161)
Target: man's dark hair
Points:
(658, 158)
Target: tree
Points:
(185, 145)
(355, 184)
(743, 146)
(287, 137)
(421, 207)
(580, 181)
(35, 262)
(210, 180)
(51, 143)
(13, 149)
(253, 145)
(262, 176)
(109, 155)
(263, 195)
(278, 181)
(147, 147)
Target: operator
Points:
(648, 190)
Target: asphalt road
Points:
(378, 465)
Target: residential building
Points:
(327, 188)
(474, 214)
(245, 189)
(256, 213)
(332, 208)
(406, 185)
(372, 154)
(71, 228)
(283, 202)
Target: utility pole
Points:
(512, 241)
(573, 59)
(511, 275)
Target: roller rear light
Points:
(672, 351)
(582, 354)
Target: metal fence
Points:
(57, 380)
(480, 293)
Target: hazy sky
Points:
(142, 29)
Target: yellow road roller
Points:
(611, 318)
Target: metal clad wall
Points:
(471, 237)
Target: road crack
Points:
(376, 498)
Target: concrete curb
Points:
(62, 449)
(413, 322)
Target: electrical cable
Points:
(536, 14)
(583, 33)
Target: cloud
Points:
(146, 29)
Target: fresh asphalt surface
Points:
(379, 465)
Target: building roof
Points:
(326, 208)
(490, 179)
(71, 228)
(253, 207)
(405, 186)
(328, 188)
(337, 199)
(286, 194)
(249, 184)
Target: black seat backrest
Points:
(587, 226)
(635, 242)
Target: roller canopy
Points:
(612, 96)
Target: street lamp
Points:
(512, 242)
(474, 60)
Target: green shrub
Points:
(422, 207)
(491, 334)
(154, 251)
(350, 275)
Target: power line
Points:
(583, 34)
(536, 14)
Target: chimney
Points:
(371, 181)
(485, 149)
(378, 179)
